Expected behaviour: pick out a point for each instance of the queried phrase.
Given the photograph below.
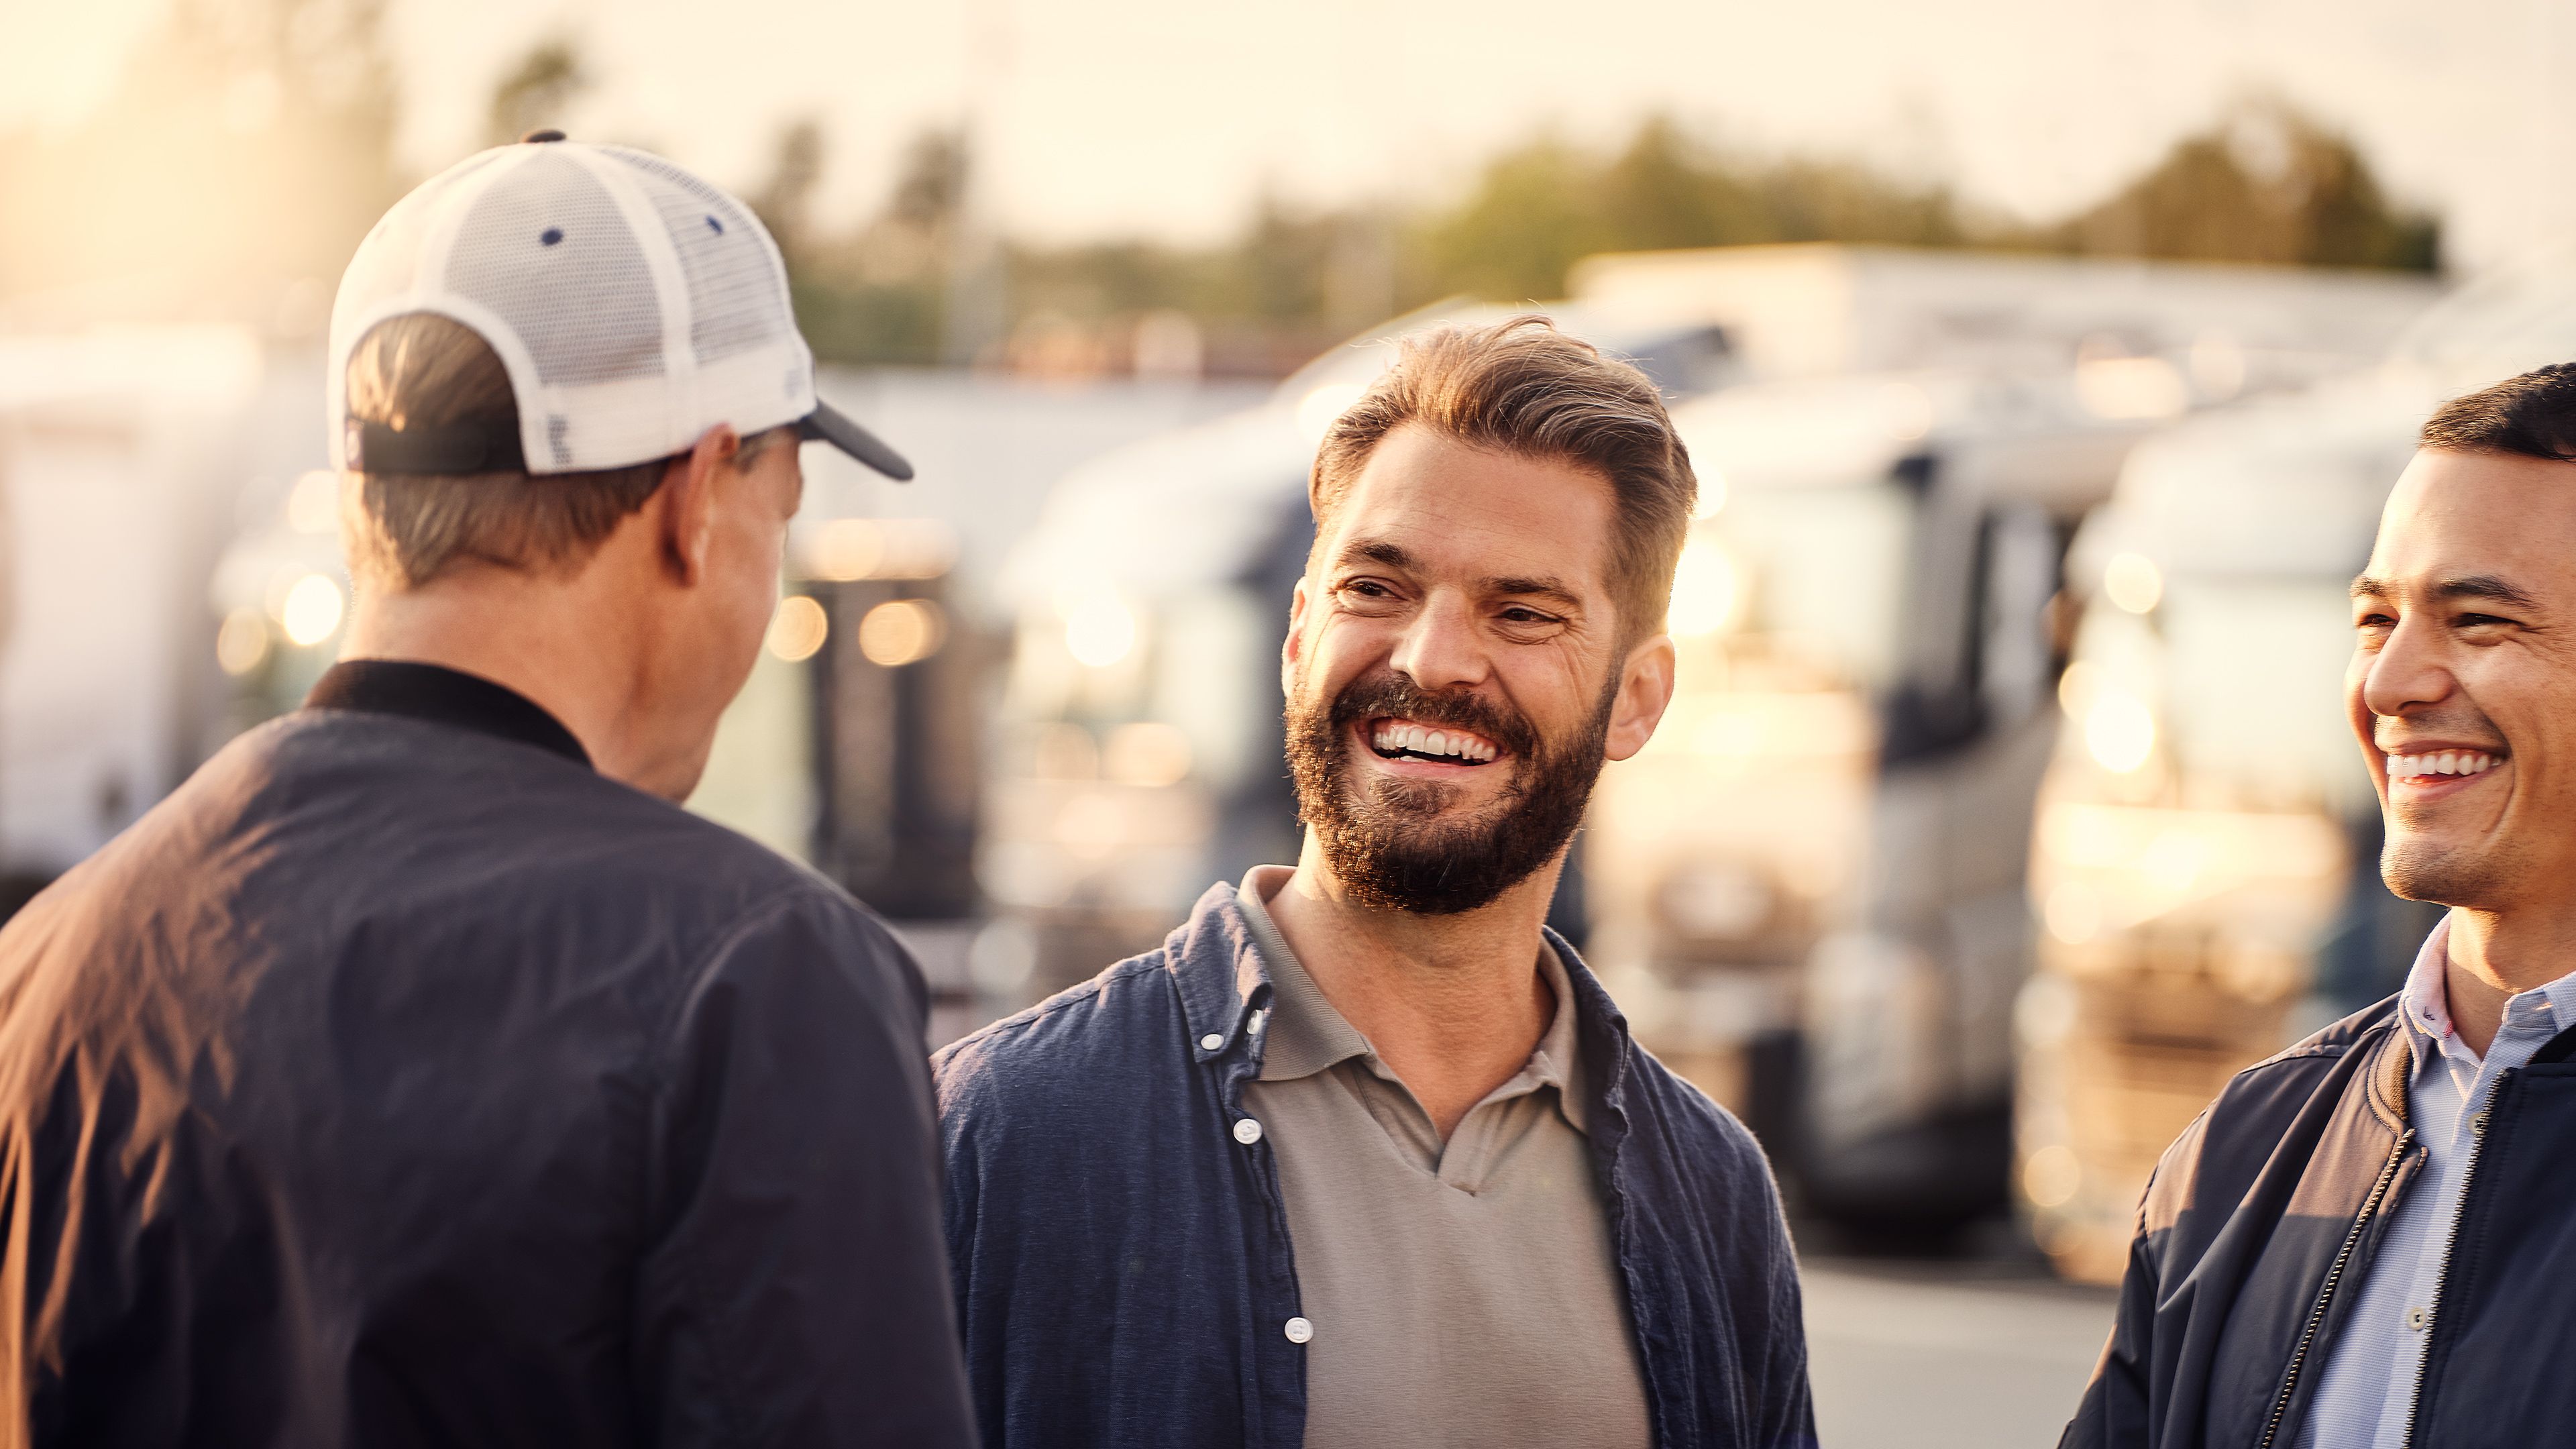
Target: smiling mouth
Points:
(2440, 766)
(1404, 739)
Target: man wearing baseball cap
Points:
(419, 1072)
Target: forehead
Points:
(2458, 514)
(1456, 508)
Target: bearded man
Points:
(1364, 1155)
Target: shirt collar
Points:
(2425, 1002)
(1307, 1034)
(443, 696)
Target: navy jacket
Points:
(2265, 1215)
(401, 1081)
(1123, 1267)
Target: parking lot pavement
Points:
(1966, 1355)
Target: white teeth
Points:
(2444, 762)
(1404, 735)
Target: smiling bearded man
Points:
(1363, 1155)
(2363, 1243)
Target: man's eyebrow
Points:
(2484, 586)
(1376, 551)
(1542, 587)
(2467, 586)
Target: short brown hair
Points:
(407, 529)
(2533, 415)
(1522, 387)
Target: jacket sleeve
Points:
(795, 1288)
(2113, 1411)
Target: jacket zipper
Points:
(2450, 1242)
(2334, 1279)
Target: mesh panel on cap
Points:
(386, 262)
(583, 303)
(733, 286)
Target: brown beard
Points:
(1389, 847)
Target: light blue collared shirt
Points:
(2368, 1392)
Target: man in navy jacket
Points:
(1364, 1155)
(2362, 1244)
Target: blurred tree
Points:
(246, 149)
(536, 92)
(786, 200)
(1542, 207)
(2267, 184)
(878, 294)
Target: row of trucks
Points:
(2003, 810)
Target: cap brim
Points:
(828, 424)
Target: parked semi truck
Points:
(2205, 868)
(123, 456)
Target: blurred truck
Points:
(123, 452)
(1810, 891)
(1807, 890)
(2205, 868)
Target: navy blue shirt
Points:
(1123, 1269)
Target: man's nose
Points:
(1441, 648)
(2408, 673)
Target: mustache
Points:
(1392, 694)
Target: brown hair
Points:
(1522, 387)
(2533, 415)
(407, 529)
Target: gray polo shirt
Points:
(1465, 1294)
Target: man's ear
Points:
(1645, 691)
(688, 495)
(1293, 648)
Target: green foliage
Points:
(2267, 184)
(1546, 205)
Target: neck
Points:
(1453, 1004)
(2496, 954)
(536, 634)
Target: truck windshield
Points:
(1822, 574)
(2253, 690)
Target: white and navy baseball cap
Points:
(635, 306)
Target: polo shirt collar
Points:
(1306, 1034)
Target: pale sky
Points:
(1166, 117)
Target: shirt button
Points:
(1210, 1042)
(1299, 1330)
(1247, 1132)
(2415, 1319)
(2478, 1124)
